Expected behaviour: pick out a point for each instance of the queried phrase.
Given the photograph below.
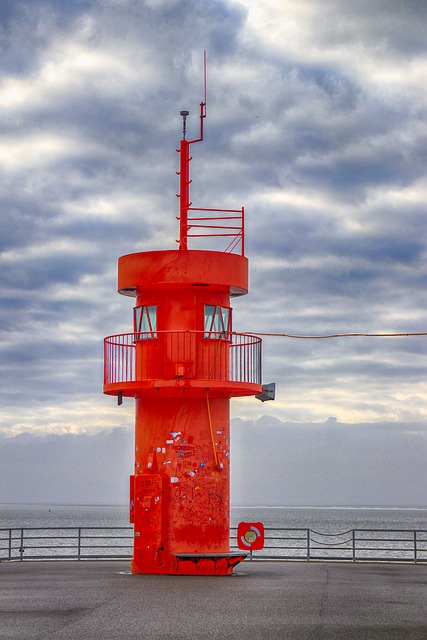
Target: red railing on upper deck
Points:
(227, 226)
(167, 355)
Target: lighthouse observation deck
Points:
(151, 360)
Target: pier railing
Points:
(106, 543)
(368, 545)
(66, 543)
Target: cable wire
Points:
(336, 335)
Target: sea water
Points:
(321, 519)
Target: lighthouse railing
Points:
(230, 357)
(230, 226)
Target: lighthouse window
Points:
(145, 322)
(217, 322)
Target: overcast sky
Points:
(272, 463)
(316, 123)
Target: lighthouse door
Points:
(148, 544)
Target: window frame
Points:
(217, 324)
(145, 316)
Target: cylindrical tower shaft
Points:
(186, 445)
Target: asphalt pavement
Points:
(272, 600)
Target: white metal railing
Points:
(59, 543)
(106, 543)
(376, 545)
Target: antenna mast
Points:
(184, 166)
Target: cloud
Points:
(273, 463)
(66, 469)
(315, 123)
(328, 463)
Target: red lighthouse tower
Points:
(182, 363)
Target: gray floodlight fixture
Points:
(268, 392)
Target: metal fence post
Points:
(308, 544)
(415, 548)
(79, 543)
(21, 548)
(10, 544)
(353, 545)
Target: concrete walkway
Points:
(262, 600)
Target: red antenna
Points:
(184, 166)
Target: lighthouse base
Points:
(195, 564)
(208, 564)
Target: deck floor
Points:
(262, 600)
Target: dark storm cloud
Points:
(389, 24)
(33, 23)
(325, 143)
